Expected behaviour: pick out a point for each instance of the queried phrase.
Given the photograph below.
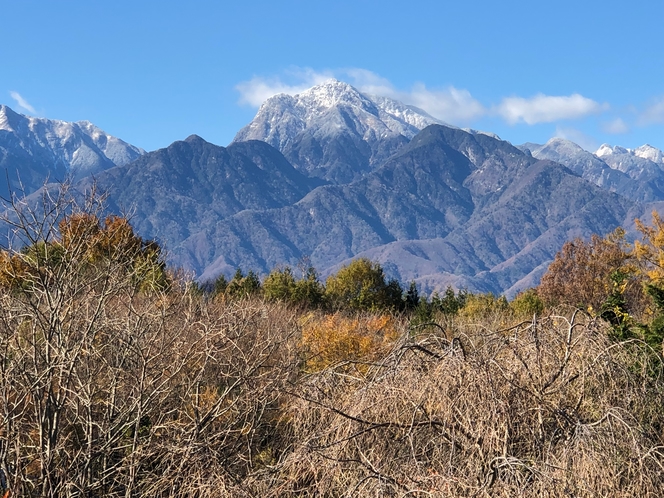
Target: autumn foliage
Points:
(119, 378)
(581, 273)
(89, 245)
(356, 340)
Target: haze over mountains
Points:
(332, 174)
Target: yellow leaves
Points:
(333, 339)
(479, 305)
(650, 251)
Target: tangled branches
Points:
(547, 407)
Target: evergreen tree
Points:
(412, 297)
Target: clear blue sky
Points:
(152, 72)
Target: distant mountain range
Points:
(333, 174)
(33, 150)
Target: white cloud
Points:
(578, 137)
(369, 82)
(615, 127)
(654, 113)
(450, 104)
(258, 89)
(22, 103)
(547, 108)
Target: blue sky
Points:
(152, 72)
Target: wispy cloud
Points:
(369, 82)
(577, 136)
(22, 103)
(654, 113)
(615, 127)
(547, 108)
(449, 104)
(258, 89)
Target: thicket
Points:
(122, 378)
(617, 281)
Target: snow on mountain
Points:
(118, 151)
(582, 162)
(640, 163)
(619, 153)
(282, 117)
(55, 146)
(651, 153)
(613, 168)
(334, 131)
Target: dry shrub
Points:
(223, 424)
(332, 339)
(545, 408)
(583, 273)
(125, 394)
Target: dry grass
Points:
(172, 395)
(545, 408)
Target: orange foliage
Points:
(333, 339)
(115, 239)
(581, 272)
(84, 239)
(77, 229)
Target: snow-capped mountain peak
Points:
(645, 152)
(333, 104)
(8, 118)
(346, 130)
(651, 153)
(608, 150)
(54, 149)
(330, 93)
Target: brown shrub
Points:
(583, 273)
(548, 408)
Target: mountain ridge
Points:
(333, 131)
(356, 177)
(33, 150)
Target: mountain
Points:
(184, 190)
(449, 207)
(332, 174)
(335, 132)
(595, 169)
(33, 150)
(644, 164)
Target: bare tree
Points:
(116, 380)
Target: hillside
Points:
(332, 174)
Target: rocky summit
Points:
(335, 132)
